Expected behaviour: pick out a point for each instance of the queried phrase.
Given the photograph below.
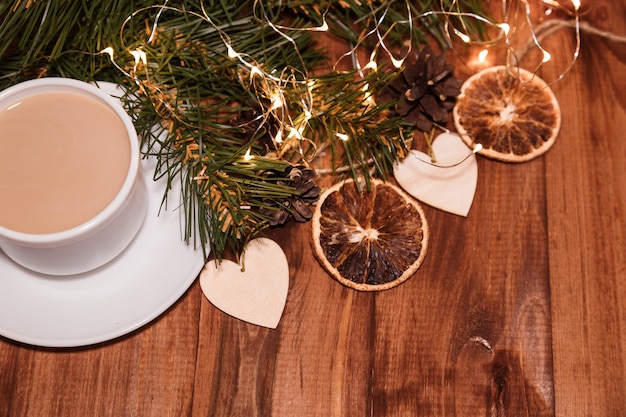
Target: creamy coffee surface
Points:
(63, 158)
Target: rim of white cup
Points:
(54, 84)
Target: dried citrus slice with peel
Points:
(369, 240)
(511, 112)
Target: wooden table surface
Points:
(518, 310)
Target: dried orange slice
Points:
(511, 112)
(369, 240)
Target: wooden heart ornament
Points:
(449, 184)
(256, 294)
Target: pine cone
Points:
(426, 89)
(250, 124)
(296, 206)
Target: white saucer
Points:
(152, 273)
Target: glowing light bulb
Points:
(231, 52)
(277, 102)
(367, 94)
(462, 36)
(576, 4)
(505, 28)
(248, 156)
(482, 56)
(546, 56)
(255, 71)
(397, 62)
(109, 51)
(140, 56)
(293, 132)
(342, 136)
(279, 136)
(371, 65)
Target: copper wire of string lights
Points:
(271, 84)
(510, 12)
(289, 103)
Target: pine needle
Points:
(223, 93)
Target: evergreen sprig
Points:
(228, 95)
(207, 103)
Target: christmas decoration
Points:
(237, 101)
(512, 114)
(297, 205)
(369, 240)
(256, 293)
(425, 91)
(447, 183)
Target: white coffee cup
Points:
(107, 231)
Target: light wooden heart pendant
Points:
(449, 184)
(257, 294)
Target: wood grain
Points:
(518, 310)
(586, 184)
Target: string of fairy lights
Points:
(268, 85)
(289, 115)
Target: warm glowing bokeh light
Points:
(108, 50)
(482, 56)
(462, 36)
(277, 102)
(140, 56)
(397, 62)
(505, 28)
(231, 52)
(371, 65)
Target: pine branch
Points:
(206, 102)
(345, 118)
(223, 95)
